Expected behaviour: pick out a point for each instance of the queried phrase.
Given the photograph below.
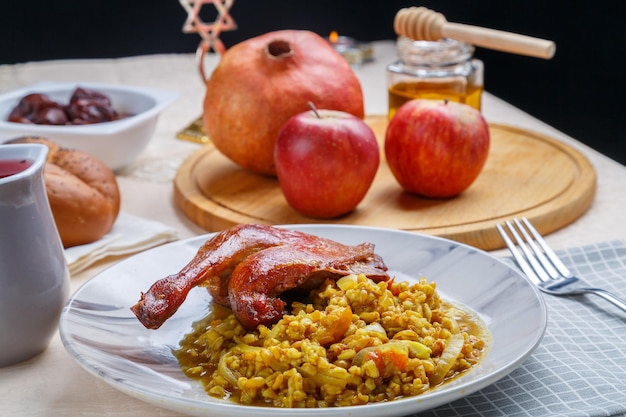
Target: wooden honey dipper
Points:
(420, 23)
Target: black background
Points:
(580, 91)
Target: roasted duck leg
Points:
(214, 263)
(258, 281)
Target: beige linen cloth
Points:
(130, 234)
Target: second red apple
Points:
(326, 161)
(436, 148)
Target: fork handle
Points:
(612, 298)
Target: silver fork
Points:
(543, 267)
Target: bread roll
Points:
(82, 191)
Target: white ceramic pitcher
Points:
(34, 279)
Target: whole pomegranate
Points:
(263, 81)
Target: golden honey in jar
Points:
(442, 70)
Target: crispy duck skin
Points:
(258, 281)
(212, 267)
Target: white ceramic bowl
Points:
(115, 143)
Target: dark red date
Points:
(85, 107)
(38, 109)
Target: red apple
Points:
(326, 161)
(436, 148)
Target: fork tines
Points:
(536, 259)
(541, 265)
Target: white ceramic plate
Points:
(100, 331)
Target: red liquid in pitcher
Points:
(9, 167)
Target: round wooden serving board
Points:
(527, 174)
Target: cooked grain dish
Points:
(350, 342)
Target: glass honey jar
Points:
(444, 69)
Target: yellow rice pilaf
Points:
(353, 341)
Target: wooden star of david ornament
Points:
(209, 32)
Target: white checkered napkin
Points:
(580, 367)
